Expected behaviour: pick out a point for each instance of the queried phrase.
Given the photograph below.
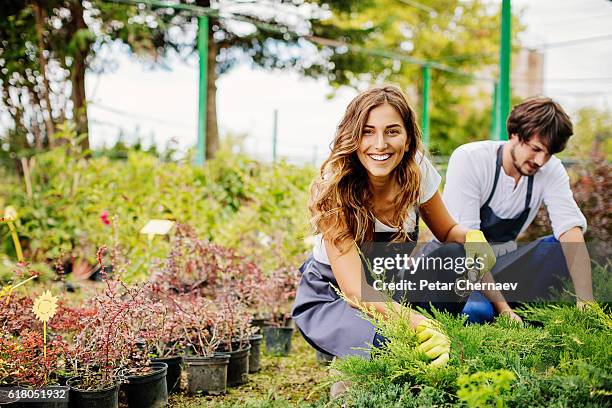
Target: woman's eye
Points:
(393, 132)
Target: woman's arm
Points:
(440, 222)
(347, 269)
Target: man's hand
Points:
(477, 247)
(511, 315)
(433, 342)
(583, 304)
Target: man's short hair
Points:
(543, 117)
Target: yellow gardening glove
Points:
(476, 246)
(433, 342)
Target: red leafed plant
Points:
(22, 361)
(234, 323)
(191, 265)
(199, 324)
(194, 265)
(108, 338)
(279, 292)
(16, 315)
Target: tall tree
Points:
(274, 39)
(46, 48)
(59, 39)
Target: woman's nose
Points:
(380, 143)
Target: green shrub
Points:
(563, 361)
(258, 209)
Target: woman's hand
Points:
(433, 342)
(477, 247)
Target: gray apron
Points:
(326, 321)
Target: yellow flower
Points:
(10, 213)
(45, 306)
(5, 291)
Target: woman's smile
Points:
(380, 157)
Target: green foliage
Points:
(592, 135)
(562, 361)
(462, 35)
(484, 388)
(256, 208)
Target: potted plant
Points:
(280, 288)
(142, 380)
(206, 370)
(166, 342)
(192, 265)
(103, 345)
(235, 331)
(23, 364)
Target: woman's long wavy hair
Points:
(340, 197)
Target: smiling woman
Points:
(373, 187)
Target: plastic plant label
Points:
(157, 227)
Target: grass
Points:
(282, 381)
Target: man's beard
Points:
(519, 168)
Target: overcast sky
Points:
(162, 104)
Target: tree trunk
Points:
(212, 131)
(40, 16)
(77, 75)
(38, 125)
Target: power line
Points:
(139, 116)
(573, 19)
(419, 6)
(591, 79)
(587, 79)
(597, 38)
(398, 55)
(579, 93)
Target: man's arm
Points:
(578, 264)
(569, 225)
(498, 300)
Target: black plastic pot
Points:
(6, 401)
(324, 358)
(207, 374)
(255, 354)
(259, 322)
(147, 390)
(278, 340)
(103, 398)
(173, 376)
(238, 367)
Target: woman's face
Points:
(383, 141)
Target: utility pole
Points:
(203, 55)
(504, 68)
(274, 135)
(494, 130)
(425, 102)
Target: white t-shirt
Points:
(469, 181)
(430, 182)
